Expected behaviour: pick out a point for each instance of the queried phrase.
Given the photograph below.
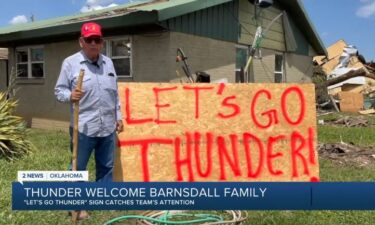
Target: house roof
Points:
(137, 14)
(333, 51)
(3, 53)
(330, 62)
(297, 10)
(336, 49)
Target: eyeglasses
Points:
(89, 40)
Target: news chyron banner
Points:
(217, 132)
(236, 146)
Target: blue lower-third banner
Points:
(193, 196)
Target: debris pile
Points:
(350, 81)
(350, 121)
(348, 153)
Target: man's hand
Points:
(119, 126)
(76, 95)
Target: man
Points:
(99, 114)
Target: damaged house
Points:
(349, 79)
(142, 39)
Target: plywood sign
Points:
(217, 132)
(350, 101)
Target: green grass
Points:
(330, 171)
(52, 153)
(361, 136)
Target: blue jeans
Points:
(104, 154)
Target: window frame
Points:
(108, 52)
(245, 47)
(282, 72)
(237, 70)
(29, 62)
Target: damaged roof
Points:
(141, 13)
(125, 15)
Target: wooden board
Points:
(329, 66)
(217, 132)
(367, 112)
(319, 59)
(350, 101)
(336, 49)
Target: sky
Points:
(19, 11)
(351, 20)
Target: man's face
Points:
(91, 46)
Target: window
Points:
(119, 50)
(279, 68)
(30, 62)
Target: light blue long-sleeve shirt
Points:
(99, 107)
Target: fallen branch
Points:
(351, 74)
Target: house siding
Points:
(263, 68)
(154, 60)
(274, 39)
(3, 75)
(217, 22)
(298, 68)
(151, 58)
(154, 57)
(235, 22)
(312, 52)
(215, 57)
(303, 46)
(36, 97)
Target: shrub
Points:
(13, 142)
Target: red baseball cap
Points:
(91, 29)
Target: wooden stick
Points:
(246, 70)
(75, 120)
(75, 214)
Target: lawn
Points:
(52, 153)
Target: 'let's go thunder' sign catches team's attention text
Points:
(217, 132)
